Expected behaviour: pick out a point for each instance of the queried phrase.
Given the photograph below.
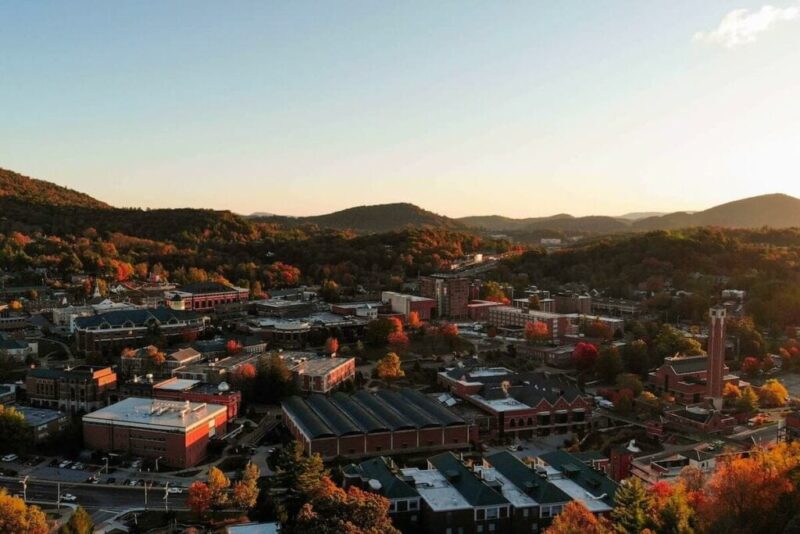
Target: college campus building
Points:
(321, 375)
(520, 405)
(78, 389)
(176, 433)
(205, 296)
(558, 325)
(181, 389)
(110, 332)
(404, 304)
(450, 292)
(371, 424)
(500, 494)
(44, 423)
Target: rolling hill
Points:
(373, 219)
(775, 210)
(24, 189)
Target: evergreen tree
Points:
(633, 507)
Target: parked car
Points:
(111, 480)
(10, 458)
(65, 464)
(175, 489)
(68, 497)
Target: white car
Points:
(68, 497)
(174, 489)
(10, 458)
(64, 464)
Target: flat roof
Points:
(511, 492)
(155, 414)
(434, 488)
(319, 366)
(181, 384)
(39, 416)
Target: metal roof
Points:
(367, 421)
(332, 416)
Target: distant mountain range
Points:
(28, 203)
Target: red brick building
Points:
(405, 304)
(205, 296)
(451, 293)
(373, 424)
(176, 433)
(520, 405)
(321, 375)
(684, 377)
(478, 310)
(78, 389)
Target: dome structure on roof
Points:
(223, 387)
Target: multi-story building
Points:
(618, 307)
(685, 378)
(478, 310)
(573, 303)
(379, 475)
(175, 433)
(78, 389)
(451, 293)
(558, 325)
(521, 405)
(321, 375)
(205, 296)
(405, 304)
(44, 423)
(181, 389)
(216, 370)
(372, 424)
(18, 349)
(108, 333)
(139, 361)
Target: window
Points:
(402, 506)
(491, 513)
(413, 505)
(491, 527)
(481, 514)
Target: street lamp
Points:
(24, 483)
(105, 459)
(157, 459)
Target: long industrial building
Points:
(371, 424)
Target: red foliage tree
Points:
(448, 330)
(331, 345)
(751, 366)
(537, 332)
(233, 346)
(398, 340)
(414, 321)
(199, 497)
(584, 356)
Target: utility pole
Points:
(145, 495)
(58, 495)
(166, 497)
(105, 459)
(24, 482)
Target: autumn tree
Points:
(537, 332)
(746, 494)
(731, 392)
(331, 345)
(635, 357)
(199, 497)
(17, 517)
(609, 364)
(155, 357)
(413, 320)
(772, 394)
(492, 291)
(633, 507)
(748, 402)
(233, 346)
(243, 378)
(598, 329)
(389, 367)
(448, 330)
(353, 511)
(218, 485)
(584, 356)
(80, 522)
(301, 475)
(533, 303)
(398, 341)
(751, 366)
(671, 341)
(245, 491)
(575, 518)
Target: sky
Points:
(524, 109)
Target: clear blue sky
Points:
(522, 108)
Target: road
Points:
(96, 497)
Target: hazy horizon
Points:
(521, 110)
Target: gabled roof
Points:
(139, 317)
(473, 489)
(688, 364)
(392, 486)
(526, 479)
(589, 479)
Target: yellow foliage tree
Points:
(389, 367)
(772, 394)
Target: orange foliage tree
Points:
(577, 519)
(537, 332)
(199, 497)
(331, 345)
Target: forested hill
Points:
(371, 219)
(24, 189)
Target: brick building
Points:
(78, 389)
(181, 389)
(684, 377)
(521, 405)
(478, 310)
(108, 333)
(321, 375)
(45, 424)
(177, 433)
(558, 325)
(405, 304)
(451, 293)
(373, 424)
(205, 296)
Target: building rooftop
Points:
(179, 384)
(391, 485)
(319, 366)
(436, 490)
(526, 479)
(580, 481)
(155, 414)
(200, 288)
(39, 416)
